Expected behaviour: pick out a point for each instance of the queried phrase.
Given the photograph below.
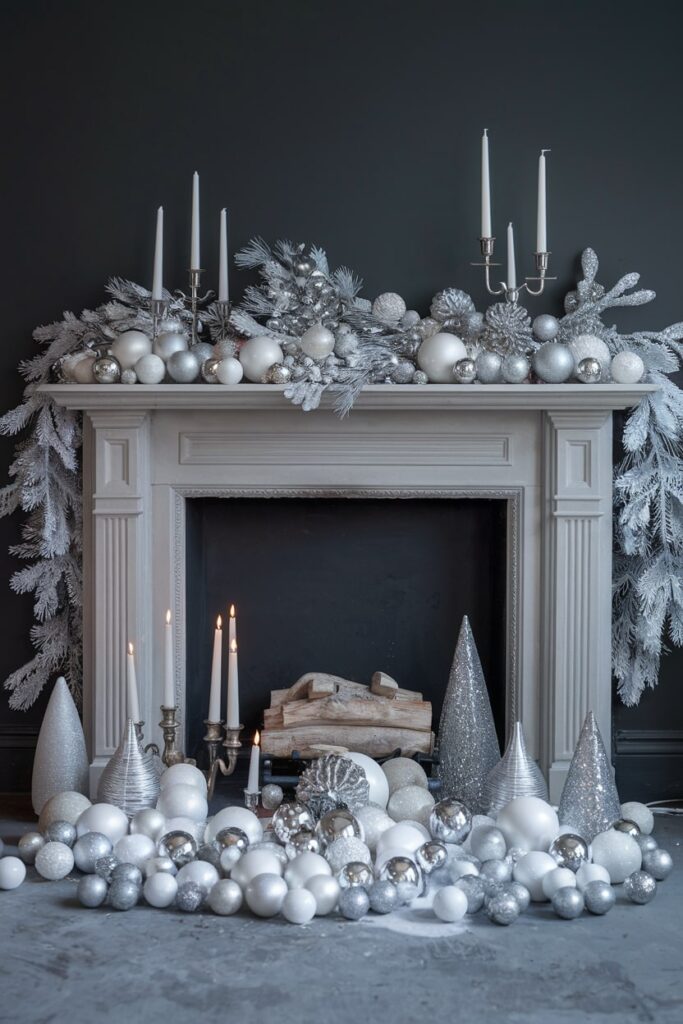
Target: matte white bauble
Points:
(149, 822)
(265, 894)
(183, 774)
(641, 814)
(150, 369)
(407, 836)
(299, 906)
(588, 873)
(66, 806)
(236, 817)
(326, 891)
(184, 800)
(317, 342)
(183, 367)
(54, 861)
(460, 868)
(560, 878)
(82, 371)
(160, 889)
(128, 348)
(438, 355)
(303, 867)
(225, 897)
(167, 343)
(412, 803)
(258, 355)
(105, 818)
(450, 904)
(159, 864)
(253, 863)
(531, 869)
(12, 872)
(200, 872)
(229, 371)
(627, 368)
(377, 780)
(135, 849)
(528, 823)
(590, 346)
(375, 821)
(618, 853)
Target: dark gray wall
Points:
(355, 125)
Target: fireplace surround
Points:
(546, 450)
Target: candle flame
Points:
(130, 648)
(257, 738)
(232, 611)
(219, 622)
(168, 617)
(233, 646)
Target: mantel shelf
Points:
(397, 397)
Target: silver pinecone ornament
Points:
(454, 311)
(61, 762)
(131, 779)
(507, 329)
(468, 745)
(516, 774)
(589, 801)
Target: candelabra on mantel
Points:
(511, 290)
(194, 300)
(226, 764)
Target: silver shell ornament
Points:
(332, 782)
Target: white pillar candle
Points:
(216, 668)
(133, 709)
(232, 626)
(158, 279)
(233, 710)
(512, 269)
(485, 187)
(254, 761)
(223, 260)
(169, 683)
(541, 228)
(194, 248)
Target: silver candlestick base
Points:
(140, 737)
(541, 259)
(159, 310)
(194, 301)
(251, 800)
(169, 726)
(226, 764)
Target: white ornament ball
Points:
(406, 836)
(54, 861)
(265, 894)
(529, 823)
(317, 342)
(135, 849)
(128, 348)
(149, 822)
(438, 355)
(236, 817)
(83, 371)
(388, 308)
(151, 369)
(590, 346)
(13, 871)
(183, 774)
(225, 897)
(641, 814)
(403, 771)
(167, 343)
(460, 868)
(105, 818)
(627, 368)
(258, 355)
(159, 864)
(560, 878)
(303, 867)
(450, 904)
(375, 821)
(325, 890)
(180, 824)
(253, 863)
(531, 869)
(183, 367)
(588, 873)
(618, 853)
(183, 800)
(160, 889)
(412, 803)
(229, 371)
(200, 872)
(377, 780)
(66, 806)
(343, 851)
(299, 906)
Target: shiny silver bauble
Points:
(232, 838)
(190, 897)
(489, 368)
(568, 902)
(438, 355)
(553, 363)
(123, 894)
(355, 873)
(589, 371)
(209, 368)
(450, 821)
(28, 846)
(354, 903)
(265, 894)
(89, 849)
(599, 897)
(183, 367)
(338, 824)
(290, 818)
(404, 873)
(104, 866)
(658, 863)
(465, 371)
(278, 373)
(626, 826)
(545, 327)
(180, 847)
(431, 856)
(92, 891)
(106, 370)
(569, 850)
(168, 342)
(646, 843)
(302, 266)
(305, 841)
(515, 369)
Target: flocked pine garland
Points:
(374, 342)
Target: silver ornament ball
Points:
(211, 853)
(497, 871)
(520, 893)
(383, 897)
(355, 873)
(354, 903)
(569, 850)
(106, 370)
(189, 897)
(626, 826)
(209, 368)
(338, 824)
(167, 343)
(450, 821)
(388, 308)
(487, 843)
(232, 838)
(290, 818)
(278, 373)
(568, 902)
(127, 873)
(104, 866)
(404, 873)
(589, 371)
(489, 368)
(658, 863)
(553, 363)
(123, 894)
(130, 346)
(640, 887)
(89, 849)
(183, 367)
(265, 894)
(180, 847)
(203, 351)
(475, 891)
(502, 908)
(646, 843)
(28, 846)
(130, 376)
(305, 841)
(545, 327)
(515, 369)
(271, 796)
(431, 856)
(403, 372)
(420, 377)
(599, 897)
(465, 371)
(61, 832)
(92, 891)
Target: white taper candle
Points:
(158, 278)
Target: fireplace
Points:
(544, 451)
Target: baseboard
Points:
(17, 747)
(649, 764)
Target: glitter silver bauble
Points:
(169, 342)
(497, 871)
(92, 891)
(589, 801)
(104, 866)
(646, 843)
(465, 371)
(106, 370)
(305, 841)
(28, 846)
(420, 377)
(545, 327)
(431, 856)
(183, 367)
(515, 369)
(272, 796)
(570, 851)
(388, 308)
(354, 903)
(130, 376)
(520, 893)
(658, 863)
(123, 894)
(130, 779)
(489, 368)
(290, 818)
(331, 782)
(553, 363)
(89, 849)
(180, 847)
(589, 371)
(568, 902)
(473, 887)
(127, 873)
(403, 372)
(515, 775)
(339, 824)
(209, 367)
(61, 832)
(640, 887)
(404, 873)
(60, 762)
(383, 897)
(627, 826)
(278, 373)
(450, 821)
(502, 908)
(599, 897)
(355, 873)
(189, 897)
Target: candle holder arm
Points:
(225, 765)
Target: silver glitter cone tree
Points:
(130, 780)
(516, 774)
(468, 745)
(589, 802)
(61, 762)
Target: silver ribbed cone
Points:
(516, 774)
(130, 780)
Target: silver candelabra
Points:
(194, 300)
(542, 260)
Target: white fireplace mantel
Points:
(545, 449)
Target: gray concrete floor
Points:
(62, 963)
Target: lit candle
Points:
(541, 230)
(194, 249)
(216, 666)
(157, 280)
(512, 269)
(485, 187)
(133, 709)
(169, 684)
(232, 626)
(233, 712)
(252, 784)
(223, 260)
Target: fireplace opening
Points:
(346, 586)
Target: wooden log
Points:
(299, 689)
(321, 687)
(309, 740)
(383, 685)
(379, 711)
